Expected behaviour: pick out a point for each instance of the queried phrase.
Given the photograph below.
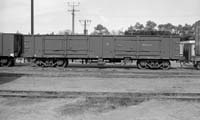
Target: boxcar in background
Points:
(56, 50)
(196, 59)
(11, 46)
(187, 50)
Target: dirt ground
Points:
(104, 79)
(84, 109)
(112, 78)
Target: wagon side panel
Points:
(53, 46)
(33, 46)
(39, 46)
(95, 47)
(8, 45)
(174, 48)
(165, 48)
(125, 47)
(108, 47)
(149, 48)
(28, 46)
(77, 46)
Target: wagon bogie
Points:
(153, 64)
(165, 65)
(50, 62)
(142, 64)
(7, 61)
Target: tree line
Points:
(150, 28)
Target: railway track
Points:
(101, 95)
(103, 74)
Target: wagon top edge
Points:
(167, 36)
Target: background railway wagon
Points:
(53, 49)
(187, 50)
(197, 38)
(196, 58)
(11, 46)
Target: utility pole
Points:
(32, 17)
(85, 23)
(73, 10)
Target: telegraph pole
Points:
(73, 10)
(32, 17)
(85, 23)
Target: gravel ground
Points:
(83, 109)
(105, 79)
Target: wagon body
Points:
(196, 58)
(58, 49)
(107, 47)
(197, 38)
(11, 46)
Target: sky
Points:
(53, 15)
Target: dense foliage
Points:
(186, 31)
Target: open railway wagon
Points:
(56, 50)
(11, 47)
(188, 50)
(196, 59)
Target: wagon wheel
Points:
(43, 63)
(65, 63)
(165, 65)
(60, 63)
(37, 63)
(4, 62)
(142, 64)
